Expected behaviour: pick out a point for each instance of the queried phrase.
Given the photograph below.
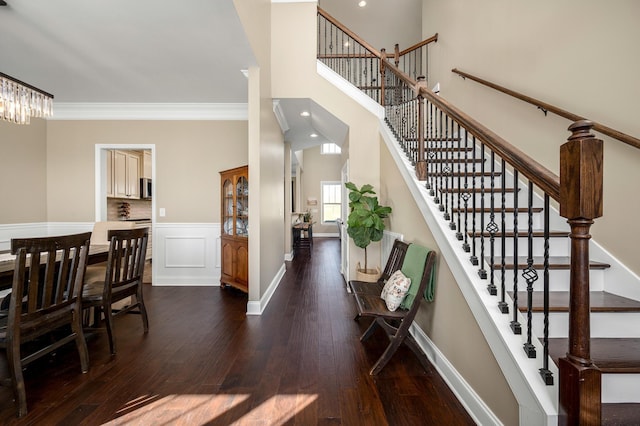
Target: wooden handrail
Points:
(348, 32)
(433, 38)
(544, 178)
(630, 140)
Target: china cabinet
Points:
(235, 227)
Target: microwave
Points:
(146, 189)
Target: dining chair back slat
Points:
(45, 300)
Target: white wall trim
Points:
(475, 406)
(186, 254)
(149, 111)
(257, 308)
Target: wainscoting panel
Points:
(186, 254)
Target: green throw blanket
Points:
(413, 267)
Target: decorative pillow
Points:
(395, 289)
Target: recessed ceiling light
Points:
(362, 3)
(305, 113)
(346, 44)
(313, 135)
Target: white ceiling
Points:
(145, 51)
(148, 51)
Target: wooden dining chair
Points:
(45, 300)
(122, 279)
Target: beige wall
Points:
(576, 54)
(189, 155)
(381, 24)
(295, 76)
(23, 170)
(318, 168)
(447, 320)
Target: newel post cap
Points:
(581, 173)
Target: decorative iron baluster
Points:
(480, 260)
(437, 137)
(515, 325)
(492, 229)
(454, 155)
(446, 169)
(432, 153)
(502, 305)
(546, 374)
(473, 258)
(466, 195)
(459, 235)
(530, 275)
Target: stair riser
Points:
(452, 198)
(603, 324)
(558, 280)
(620, 388)
(557, 246)
(523, 220)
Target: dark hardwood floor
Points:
(204, 362)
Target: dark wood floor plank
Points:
(204, 361)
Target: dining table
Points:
(98, 253)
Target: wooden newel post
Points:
(421, 163)
(581, 182)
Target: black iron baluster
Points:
(546, 374)
(455, 154)
(473, 258)
(530, 275)
(482, 273)
(502, 305)
(446, 170)
(459, 235)
(438, 152)
(515, 325)
(492, 229)
(466, 195)
(431, 155)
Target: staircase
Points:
(493, 213)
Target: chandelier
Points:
(20, 101)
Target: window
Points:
(331, 201)
(330, 148)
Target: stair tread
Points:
(555, 262)
(521, 234)
(497, 211)
(469, 175)
(600, 301)
(619, 414)
(611, 355)
(455, 160)
(477, 190)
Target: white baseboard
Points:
(474, 405)
(258, 307)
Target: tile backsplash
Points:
(138, 209)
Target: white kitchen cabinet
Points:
(110, 186)
(126, 174)
(146, 164)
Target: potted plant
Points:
(365, 224)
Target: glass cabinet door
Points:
(242, 205)
(227, 207)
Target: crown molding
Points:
(280, 117)
(149, 111)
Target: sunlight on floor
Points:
(203, 409)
